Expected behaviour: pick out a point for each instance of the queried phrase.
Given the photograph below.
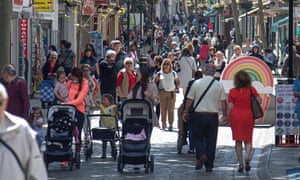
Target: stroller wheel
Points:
(179, 146)
(114, 153)
(77, 160)
(120, 165)
(147, 167)
(151, 163)
(70, 165)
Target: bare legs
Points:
(239, 153)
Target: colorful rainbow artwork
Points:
(258, 70)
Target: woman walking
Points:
(241, 116)
(167, 82)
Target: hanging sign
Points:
(44, 5)
(24, 35)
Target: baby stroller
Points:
(59, 136)
(182, 133)
(47, 93)
(136, 134)
(105, 134)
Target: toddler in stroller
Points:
(136, 135)
(59, 137)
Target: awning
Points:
(281, 21)
(278, 23)
(249, 12)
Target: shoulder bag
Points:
(193, 70)
(192, 110)
(256, 107)
(15, 155)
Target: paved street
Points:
(169, 164)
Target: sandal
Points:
(241, 168)
(248, 167)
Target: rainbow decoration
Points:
(259, 72)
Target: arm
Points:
(187, 105)
(97, 69)
(225, 110)
(120, 78)
(82, 94)
(25, 99)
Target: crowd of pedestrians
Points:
(178, 63)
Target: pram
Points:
(59, 136)
(182, 133)
(47, 93)
(105, 134)
(136, 134)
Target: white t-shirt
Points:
(212, 99)
(167, 81)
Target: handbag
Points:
(192, 110)
(256, 107)
(193, 70)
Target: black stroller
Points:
(136, 134)
(59, 137)
(105, 134)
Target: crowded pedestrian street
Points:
(269, 161)
(150, 89)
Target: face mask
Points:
(75, 81)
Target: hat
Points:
(110, 52)
(173, 42)
(115, 42)
(128, 59)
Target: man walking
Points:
(204, 120)
(18, 99)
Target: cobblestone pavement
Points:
(168, 164)
(268, 162)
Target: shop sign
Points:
(44, 5)
(24, 34)
(286, 117)
(298, 30)
(88, 7)
(17, 5)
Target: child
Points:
(108, 107)
(61, 89)
(37, 122)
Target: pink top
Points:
(79, 102)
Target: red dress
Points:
(241, 117)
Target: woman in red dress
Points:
(241, 117)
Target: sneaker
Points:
(191, 152)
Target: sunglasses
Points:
(86, 69)
(128, 63)
(166, 64)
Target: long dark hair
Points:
(77, 72)
(145, 73)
